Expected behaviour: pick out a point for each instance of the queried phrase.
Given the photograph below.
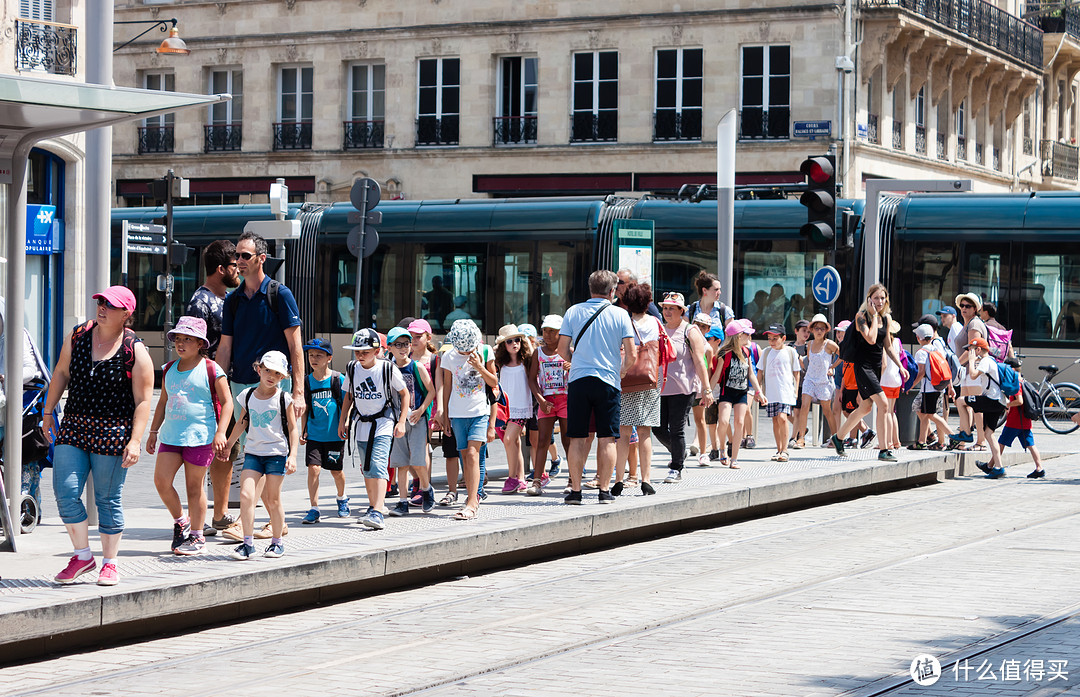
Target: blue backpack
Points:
(910, 366)
(1008, 380)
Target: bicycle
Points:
(1059, 401)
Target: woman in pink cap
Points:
(111, 379)
(733, 378)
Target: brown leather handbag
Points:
(645, 372)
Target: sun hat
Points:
(190, 326)
(552, 322)
(739, 326)
(932, 320)
(528, 330)
(978, 342)
(820, 319)
(396, 333)
(464, 335)
(777, 329)
(364, 339)
(419, 326)
(118, 296)
(974, 299)
(674, 298)
(703, 318)
(275, 360)
(508, 331)
(947, 310)
(842, 325)
(924, 331)
(717, 332)
(320, 344)
(894, 327)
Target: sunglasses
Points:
(622, 283)
(106, 303)
(515, 340)
(246, 256)
(401, 344)
(966, 306)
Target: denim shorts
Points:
(265, 464)
(380, 457)
(472, 428)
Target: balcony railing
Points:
(920, 139)
(433, 130)
(978, 20)
(978, 153)
(1029, 146)
(599, 127)
(1060, 160)
(755, 122)
(995, 159)
(961, 148)
(155, 139)
(898, 135)
(1065, 21)
(45, 46)
(223, 137)
(942, 150)
(363, 135)
(872, 133)
(292, 135)
(669, 124)
(514, 130)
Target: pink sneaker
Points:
(511, 485)
(108, 576)
(75, 568)
(522, 486)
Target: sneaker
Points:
(274, 551)
(838, 444)
(996, 473)
(192, 546)
(867, 438)
(417, 501)
(311, 517)
(427, 499)
(511, 485)
(1037, 474)
(984, 466)
(108, 576)
(703, 460)
(886, 456)
(75, 568)
(616, 489)
(714, 455)
(556, 467)
(573, 498)
(209, 530)
(673, 476)
(606, 497)
(400, 509)
(243, 552)
(343, 507)
(373, 520)
(536, 488)
(962, 437)
(179, 534)
(693, 450)
(234, 532)
(225, 522)
(852, 442)
(749, 443)
(267, 532)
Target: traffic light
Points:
(819, 199)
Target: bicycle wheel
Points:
(1059, 405)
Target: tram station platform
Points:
(338, 558)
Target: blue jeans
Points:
(380, 457)
(70, 469)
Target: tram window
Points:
(516, 288)
(386, 279)
(143, 272)
(982, 276)
(556, 272)
(1052, 296)
(678, 262)
(776, 285)
(451, 288)
(935, 278)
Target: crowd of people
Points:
(616, 369)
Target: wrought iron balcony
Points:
(599, 127)
(155, 139)
(872, 133)
(980, 21)
(292, 135)
(432, 130)
(514, 130)
(363, 135)
(222, 137)
(1060, 160)
(961, 148)
(45, 46)
(920, 139)
(1029, 146)
(669, 124)
(978, 153)
(898, 135)
(995, 157)
(942, 150)
(755, 122)
(1064, 21)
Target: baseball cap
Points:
(320, 344)
(364, 339)
(552, 322)
(118, 296)
(802, 323)
(716, 332)
(396, 333)
(924, 331)
(275, 360)
(842, 325)
(932, 320)
(739, 326)
(978, 342)
(419, 326)
(777, 329)
(528, 330)
(947, 310)
(702, 318)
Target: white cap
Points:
(552, 322)
(275, 360)
(924, 331)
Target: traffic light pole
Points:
(169, 178)
(359, 262)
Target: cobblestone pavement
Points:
(833, 600)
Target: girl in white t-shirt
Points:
(514, 361)
(891, 384)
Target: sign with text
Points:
(42, 230)
(633, 241)
(809, 129)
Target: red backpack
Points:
(667, 349)
(937, 369)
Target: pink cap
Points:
(842, 326)
(739, 326)
(419, 326)
(118, 296)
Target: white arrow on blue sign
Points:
(826, 285)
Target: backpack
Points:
(233, 300)
(912, 368)
(127, 345)
(1032, 407)
(415, 369)
(281, 411)
(938, 370)
(695, 307)
(950, 356)
(336, 389)
(1008, 380)
(848, 351)
(393, 403)
(999, 340)
(210, 378)
(667, 349)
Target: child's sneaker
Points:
(75, 568)
(373, 519)
(311, 517)
(714, 455)
(179, 534)
(427, 499)
(1037, 474)
(343, 507)
(511, 485)
(556, 467)
(275, 551)
(867, 438)
(522, 486)
(536, 488)
(192, 546)
(243, 552)
(996, 473)
(108, 576)
(401, 508)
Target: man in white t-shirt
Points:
(779, 378)
(369, 384)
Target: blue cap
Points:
(396, 333)
(947, 310)
(717, 332)
(321, 345)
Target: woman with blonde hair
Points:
(872, 340)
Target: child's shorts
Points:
(470, 429)
(929, 403)
(325, 455)
(818, 391)
(199, 455)
(265, 464)
(380, 457)
(776, 409)
(411, 450)
(558, 407)
(891, 392)
(1010, 433)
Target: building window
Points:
(515, 123)
(920, 121)
(224, 131)
(41, 10)
(367, 106)
(295, 106)
(766, 92)
(156, 133)
(438, 99)
(595, 114)
(678, 94)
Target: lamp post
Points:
(98, 179)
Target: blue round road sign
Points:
(826, 285)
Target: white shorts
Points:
(819, 391)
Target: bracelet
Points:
(153, 432)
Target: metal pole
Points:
(169, 179)
(360, 259)
(99, 69)
(13, 336)
(725, 205)
(124, 253)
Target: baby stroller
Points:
(37, 452)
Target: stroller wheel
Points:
(31, 514)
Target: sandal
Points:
(781, 457)
(594, 483)
(465, 514)
(734, 464)
(449, 500)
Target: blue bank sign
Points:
(42, 230)
(809, 129)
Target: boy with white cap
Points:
(928, 412)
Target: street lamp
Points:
(172, 44)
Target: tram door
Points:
(986, 273)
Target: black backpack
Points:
(848, 350)
(391, 402)
(233, 300)
(1032, 406)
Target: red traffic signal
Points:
(819, 170)
(819, 199)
